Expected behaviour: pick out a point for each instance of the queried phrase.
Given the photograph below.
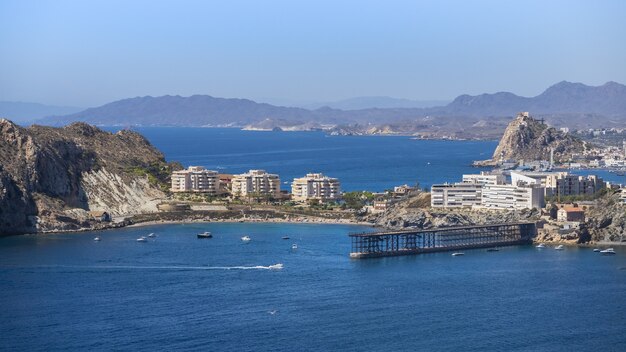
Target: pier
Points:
(394, 243)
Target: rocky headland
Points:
(51, 178)
(526, 138)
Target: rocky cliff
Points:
(606, 222)
(51, 177)
(526, 138)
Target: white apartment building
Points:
(457, 195)
(564, 184)
(315, 186)
(512, 197)
(256, 182)
(196, 179)
(485, 178)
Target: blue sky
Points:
(87, 53)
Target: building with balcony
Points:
(565, 184)
(315, 186)
(196, 179)
(256, 183)
(513, 197)
(456, 195)
(485, 178)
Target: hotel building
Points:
(196, 179)
(315, 186)
(256, 182)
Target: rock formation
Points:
(51, 177)
(526, 138)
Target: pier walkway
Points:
(394, 243)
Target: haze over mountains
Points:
(21, 112)
(568, 104)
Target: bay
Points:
(67, 292)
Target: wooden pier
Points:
(394, 243)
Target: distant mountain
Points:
(568, 104)
(561, 98)
(22, 113)
(361, 103)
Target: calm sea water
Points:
(360, 162)
(67, 292)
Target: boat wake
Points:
(163, 267)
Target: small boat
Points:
(96, 239)
(276, 266)
(493, 250)
(596, 250)
(246, 238)
(151, 235)
(541, 245)
(142, 239)
(294, 246)
(205, 234)
(608, 251)
(456, 254)
(559, 247)
(285, 237)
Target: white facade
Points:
(457, 195)
(256, 182)
(485, 178)
(196, 179)
(512, 197)
(315, 186)
(564, 184)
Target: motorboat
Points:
(294, 246)
(246, 238)
(456, 254)
(493, 250)
(142, 239)
(96, 239)
(276, 266)
(608, 251)
(151, 235)
(205, 234)
(559, 247)
(596, 250)
(285, 237)
(541, 245)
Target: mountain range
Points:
(574, 105)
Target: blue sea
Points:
(360, 162)
(66, 292)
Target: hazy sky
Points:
(87, 53)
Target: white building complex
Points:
(196, 179)
(560, 183)
(315, 186)
(256, 182)
(513, 197)
(456, 195)
(487, 191)
(485, 178)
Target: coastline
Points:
(315, 221)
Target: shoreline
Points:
(250, 221)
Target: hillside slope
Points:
(50, 177)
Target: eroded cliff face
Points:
(528, 139)
(50, 177)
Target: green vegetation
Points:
(158, 173)
(357, 200)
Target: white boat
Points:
(142, 239)
(276, 266)
(456, 254)
(96, 239)
(294, 246)
(541, 245)
(151, 235)
(246, 238)
(608, 251)
(205, 234)
(596, 250)
(559, 247)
